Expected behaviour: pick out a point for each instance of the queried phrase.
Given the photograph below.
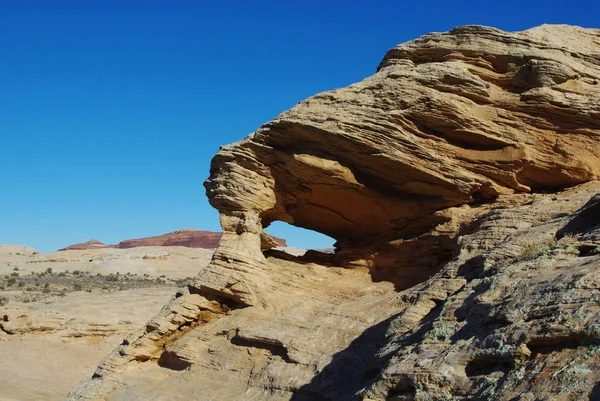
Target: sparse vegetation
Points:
(49, 282)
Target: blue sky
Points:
(110, 111)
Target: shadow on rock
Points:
(351, 369)
(587, 219)
(595, 393)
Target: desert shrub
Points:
(112, 277)
(16, 268)
(11, 281)
(534, 248)
(21, 284)
(183, 282)
(62, 274)
(3, 301)
(49, 270)
(77, 287)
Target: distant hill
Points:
(188, 237)
(91, 244)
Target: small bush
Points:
(3, 301)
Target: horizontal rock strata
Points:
(463, 268)
(189, 238)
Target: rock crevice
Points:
(444, 179)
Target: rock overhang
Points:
(458, 141)
(449, 119)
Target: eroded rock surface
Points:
(62, 312)
(462, 267)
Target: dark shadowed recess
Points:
(587, 219)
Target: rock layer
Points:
(453, 275)
(189, 237)
(91, 244)
(449, 119)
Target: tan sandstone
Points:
(455, 182)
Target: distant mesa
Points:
(188, 237)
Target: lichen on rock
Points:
(444, 178)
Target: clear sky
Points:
(110, 111)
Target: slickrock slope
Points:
(61, 312)
(464, 268)
(48, 346)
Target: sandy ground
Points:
(48, 343)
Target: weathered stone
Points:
(442, 177)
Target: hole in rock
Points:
(588, 249)
(172, 361)
(486, 365)
(301, 238)
(404, 259)
(273, 348)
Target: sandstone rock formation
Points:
(463, 268)
(187, 237)
(91, 244)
